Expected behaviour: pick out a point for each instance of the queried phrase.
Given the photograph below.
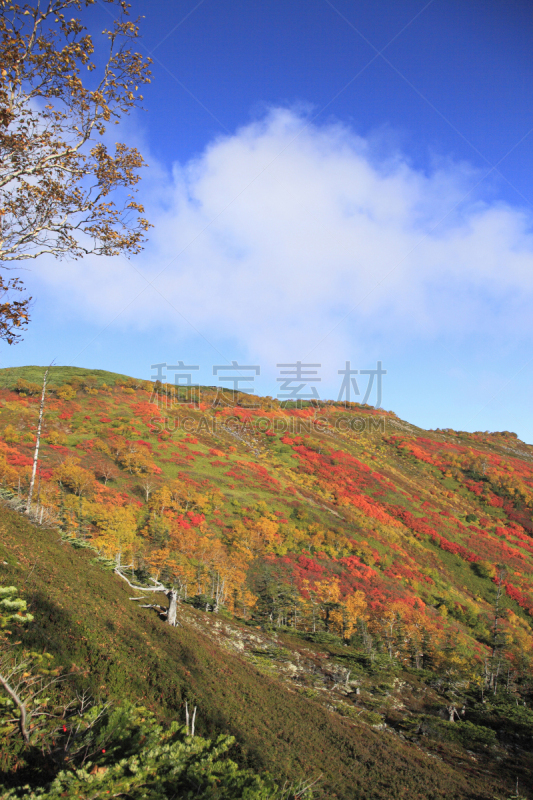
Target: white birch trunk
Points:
(172, 614)
(37, 443)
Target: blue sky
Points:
(328, 181)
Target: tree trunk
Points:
(37, 443)
(172, 607)
(452, 711)
(172, 595)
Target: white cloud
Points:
(272, 235)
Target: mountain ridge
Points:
(403, 556)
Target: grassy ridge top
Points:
(58, 375)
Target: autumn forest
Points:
(403, 555)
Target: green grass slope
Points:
(57, 376)
(84, 617)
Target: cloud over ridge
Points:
(293, 239)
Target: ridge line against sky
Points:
(272, 258)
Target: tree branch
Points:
(20, 705)
(159, 587)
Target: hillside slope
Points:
(371, 581)
(84, 618)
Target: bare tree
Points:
(189, 723)
(105, 470)
(148, 484)
(37, 442)
(56, 175)
(172, 612)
